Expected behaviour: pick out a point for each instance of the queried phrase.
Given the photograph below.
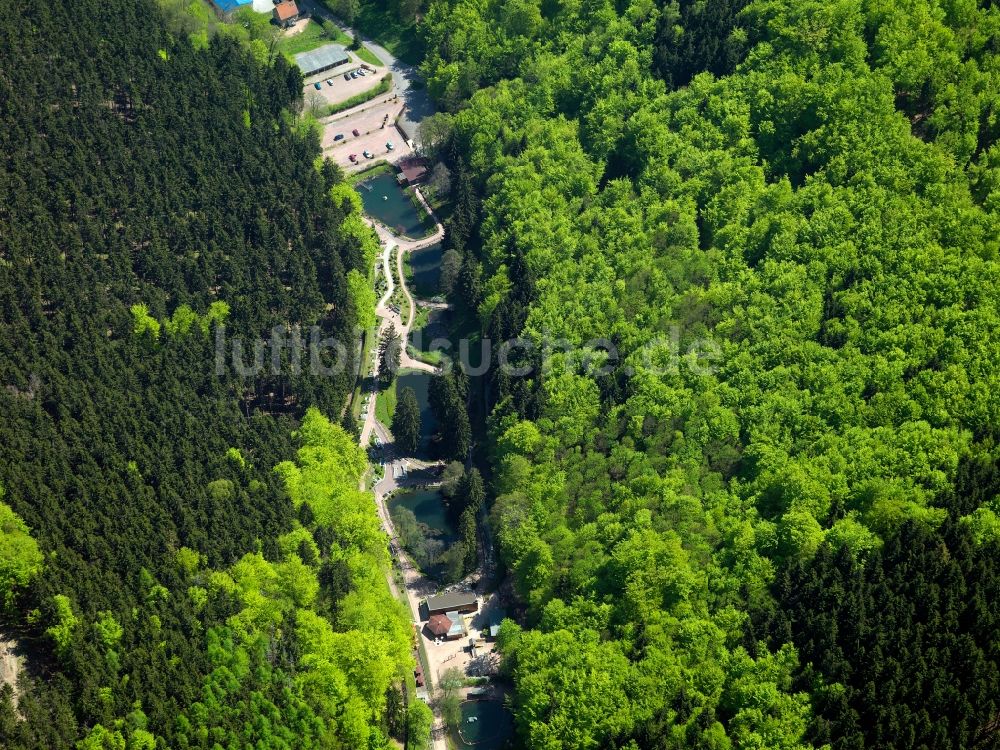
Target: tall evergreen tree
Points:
(406, 421)
(454, 433)
(390, 353)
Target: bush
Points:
(383, 86)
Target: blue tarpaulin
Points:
(228, 6)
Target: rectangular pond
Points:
(428, 507)
(424, 530)
(485, 725)
(426, 265)
(385, 201)
(433, 330)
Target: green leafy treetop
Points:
(20, 557)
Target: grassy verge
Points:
(442, 206)
(379, 167)
(426, 221)
(408, 270)
(366, 55)
(432, 358)
(421, 317)
(425, 218)
(428, 680)
(358, 398)
(383, 86)
(344, 39)
(385, 407)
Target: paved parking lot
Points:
(340, 90)
(372, 136)
(365, 121)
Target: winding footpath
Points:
(388, 317)
(400, 471)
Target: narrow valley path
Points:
(397, 470)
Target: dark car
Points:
(318, 85)
(356, 132)
(338, 137)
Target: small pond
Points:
(428, 507)
(385, 200)
(490, 727)
(424, 530)
(426, 265)
(421, 338)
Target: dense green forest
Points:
(169, 587)
(747, 494)
(762, 511)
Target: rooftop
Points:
(453, 600)
(457, 624)
(448, 625)
(286, 9)
(439, 624)
(413, 172)
(321, 58)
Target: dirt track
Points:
(10, 663)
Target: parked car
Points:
(318, 85)
(389, 146)
(329, 81)
(361, 72)
(356, 132)
(354, 74)
(353, 158)
(338, 137)
(368, 154)
(347, 76)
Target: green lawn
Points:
(368, 56)
(309, 38)
(432, 358)
(421, 318)
(379, 167)
(385, 407)
(344, 39)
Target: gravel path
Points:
(416, 585)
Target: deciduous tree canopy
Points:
(754, 247)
